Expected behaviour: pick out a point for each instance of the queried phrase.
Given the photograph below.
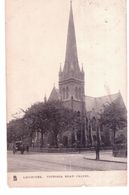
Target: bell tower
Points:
(71, 78)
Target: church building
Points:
(72, 87)
(72, 79)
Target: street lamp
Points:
(97, 118)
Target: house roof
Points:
(98, 103)
(93, 104)
(54, 94)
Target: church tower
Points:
(71, 78)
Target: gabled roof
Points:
(54, 94)
(98, 103)
(93, 104)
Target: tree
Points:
(16, 130)
(35, 119)
(51, 118)
(114, 116)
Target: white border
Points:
(3, 163)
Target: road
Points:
(34, 162)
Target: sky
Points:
(36, 33)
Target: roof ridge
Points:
(102, 96)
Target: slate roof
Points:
(98, 103)
(54, 94)
(92, 103)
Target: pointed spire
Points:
(70, 4)
(82, 68)
(54, 94)
(45, 98)
(60, 68)
(71, 57)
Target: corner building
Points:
(72, 91)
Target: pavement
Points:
(34, 162)
(106, 156)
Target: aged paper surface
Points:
(73, 52)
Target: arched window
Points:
(67, 93)
(94, 124)
(79, 93)
(78, 113)
(76, 93)
(82, 91)
(63, 93)
(94, 137)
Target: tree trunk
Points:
(114, 135)
(41, 139)
(97, 154)
(97, 144)
(56, 142)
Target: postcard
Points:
(66, 70)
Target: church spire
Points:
(45, 98)
(71, 79)
(71, 57)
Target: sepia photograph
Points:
(66, 88)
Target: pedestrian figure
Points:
(27, 148)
